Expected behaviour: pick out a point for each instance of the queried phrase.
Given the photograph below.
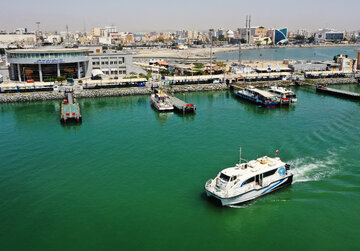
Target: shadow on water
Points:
(211, 201)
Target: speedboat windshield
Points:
(224, 177)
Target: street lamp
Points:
(211, 44)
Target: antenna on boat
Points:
(240, 154)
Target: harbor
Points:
(203, 128)
(190, 150)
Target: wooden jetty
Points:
(182, 106)
(70, 109)
(337, 92)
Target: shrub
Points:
(49, 80)
(61, 78)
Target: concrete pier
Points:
(182, 106)
(337, 92)
(70, 110)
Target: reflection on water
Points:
(161, 117)
(71, 126)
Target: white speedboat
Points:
(286, 95)
(161, 102)
(248, 181)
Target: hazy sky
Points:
(152, 15)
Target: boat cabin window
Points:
(269, 173)
(224, 177)
(249, 181)
(233, 178)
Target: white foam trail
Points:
(311, 169)
(241, 206)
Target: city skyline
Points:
(144, 16)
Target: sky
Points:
(161, 15)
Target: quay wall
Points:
(116, 92)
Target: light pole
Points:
(211, 44)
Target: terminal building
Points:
(77, 63)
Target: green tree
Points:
(61, 79)
(164, 72)
(299, 37)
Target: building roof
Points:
(48, 50)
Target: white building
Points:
(6, 39)
(329, 35)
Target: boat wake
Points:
(311, 169)
(246, 205)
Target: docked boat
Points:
(257, 96)
(248, 181)
(285, 95)
(161, 102)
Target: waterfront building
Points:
(243, 33)
(230, 34)
(42, 64)
(280, 36)
(112, 64)
(329, 35)
(262, 41)
(346, 64)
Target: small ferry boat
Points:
(70, 110)
(257, 96)
(285, 95)
(161, 102)
(248, 181)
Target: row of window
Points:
(114, 72)
(47, 55)
(107, 62)
(267, 174)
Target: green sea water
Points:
(129, 178)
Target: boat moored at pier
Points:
(248, 181)
(70, 109)
(161, 102)
(257, 96)
(285, 95)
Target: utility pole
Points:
(240, 49)
(246, 28)
(211, 44)
(249, 32)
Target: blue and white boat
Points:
(248, 181)
(257, 96)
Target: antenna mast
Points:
(240, 154)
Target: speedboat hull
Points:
(160, 107)
(254, 193)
